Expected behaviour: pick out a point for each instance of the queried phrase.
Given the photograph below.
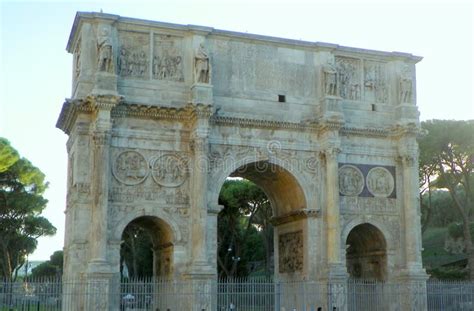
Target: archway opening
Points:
(260, 193)
(366, 255)
(146, 249)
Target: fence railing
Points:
(228, 295)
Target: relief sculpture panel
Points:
(134, 55)
(349, 77)
(167, 58)
(130, 168)
(169, 170)
(290, 247)
(375, 82)
(380, 182)
(351, 180)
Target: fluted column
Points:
(332, 206)
(413, 276)
(200, 145)
(101, 133)
(411, 208)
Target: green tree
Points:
(243, 228)
(51, 268)
(136, 252)
(449, 149)
(21, 202)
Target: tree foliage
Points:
(447, 161)
(51, 268)
(136, 252)
(21, 202)
(244, 231)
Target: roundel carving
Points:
(130, 167)
(380, 182)
(169, 170)
(351, 180)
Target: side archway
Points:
(156, 235)
(366, 253)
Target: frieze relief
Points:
(366, 180)
(375, 82)
(290, 249)
(380, 182)
(169, 170)
(77, 59)
(167, 58)
(145, 175)
(305, 162)
(177, 214)
(349, 77)
(133, 58)
(130, 168)
(351, 180)
(386, 223)
(367, 205)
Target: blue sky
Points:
(35, 69)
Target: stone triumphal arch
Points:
(161, 114)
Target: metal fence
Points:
(228, 295)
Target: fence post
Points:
(277, 295)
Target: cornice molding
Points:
(294, 216)
(190, 112)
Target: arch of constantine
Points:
(161, 114)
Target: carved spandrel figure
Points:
(202, 67)
(330, 80)
(405, 86)
(104, 45)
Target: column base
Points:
(413, 281)
(200, 270)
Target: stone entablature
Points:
(161, 114)
(154, 64)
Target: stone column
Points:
(200, 264)
(336, 272)
(101, 133)
(100, 276)
(413, 275)
(332, 206)
(411, 208)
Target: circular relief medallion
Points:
(130, 168)
(380, 182)
(169, 170)
(351, 180)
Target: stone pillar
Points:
(332, 207)
(101, 294)
(101, 133)
(413, 275)
(200, 265)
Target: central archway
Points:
(286, 198)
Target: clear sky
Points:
(36, 71)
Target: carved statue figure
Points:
(104, 45)
(202, 68)
(405, 86)
(330, 80)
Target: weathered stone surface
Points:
(162, 114)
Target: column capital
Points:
(101, 138)
(408, 160)
(103, 102)
(330, 153)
